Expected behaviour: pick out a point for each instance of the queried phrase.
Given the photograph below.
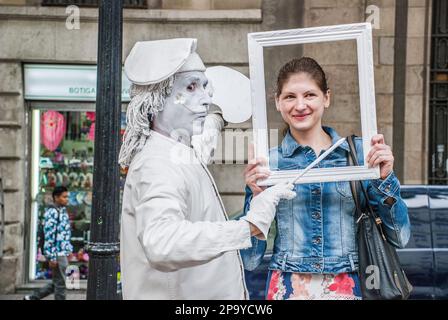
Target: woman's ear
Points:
(327, 99)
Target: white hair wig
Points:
(146, 101)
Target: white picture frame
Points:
(362, 33)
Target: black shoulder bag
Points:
(380, 272)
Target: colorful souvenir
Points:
(81, 179)
(52, 129)
(65, 179)
(88, 199)
(91, 116)
(72, 198)
(89, 181)
(58, 156)
(73, 176)
(74, 163)
(51, 179)
(59, 179)
(43, 180)
(45, 163)
(80, 197)
(91, 135)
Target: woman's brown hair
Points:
(299, 65)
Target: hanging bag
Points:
(380, 272)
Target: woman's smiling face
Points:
(302, 103)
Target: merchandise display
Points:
(69, 164)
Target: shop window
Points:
(65, 153)
(134, 4)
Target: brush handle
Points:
(319, 159)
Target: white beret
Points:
(151, 62)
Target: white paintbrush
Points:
(319, 159)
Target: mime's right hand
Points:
(263, 206)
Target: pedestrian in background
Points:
(57, 245)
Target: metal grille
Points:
(439, 95)
(133, 4)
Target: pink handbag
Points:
(53, 129)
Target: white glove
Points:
(206, 143)
(263, 207)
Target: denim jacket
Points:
(316, 230)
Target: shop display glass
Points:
(65, 158)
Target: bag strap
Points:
(354, 189)
(354, 159)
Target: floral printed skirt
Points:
(310, 286)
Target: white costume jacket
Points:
(176, 240)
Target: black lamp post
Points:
(104, 245)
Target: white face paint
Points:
(185, 109)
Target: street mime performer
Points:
(176, 239)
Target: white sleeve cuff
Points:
(261, 226)
(238, 235)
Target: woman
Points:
(315, 252)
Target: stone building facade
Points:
(33, 33)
